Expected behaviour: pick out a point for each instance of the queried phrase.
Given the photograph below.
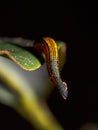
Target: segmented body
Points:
(49, 47)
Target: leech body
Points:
(49, 47)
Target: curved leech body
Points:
(49, 47)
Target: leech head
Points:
(64, 90)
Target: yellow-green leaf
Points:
(23, 58)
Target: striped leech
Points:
(50, 49)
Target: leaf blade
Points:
(23, 58)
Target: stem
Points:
(39, 116)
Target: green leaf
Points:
(22, 57)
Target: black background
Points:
(74, 23)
